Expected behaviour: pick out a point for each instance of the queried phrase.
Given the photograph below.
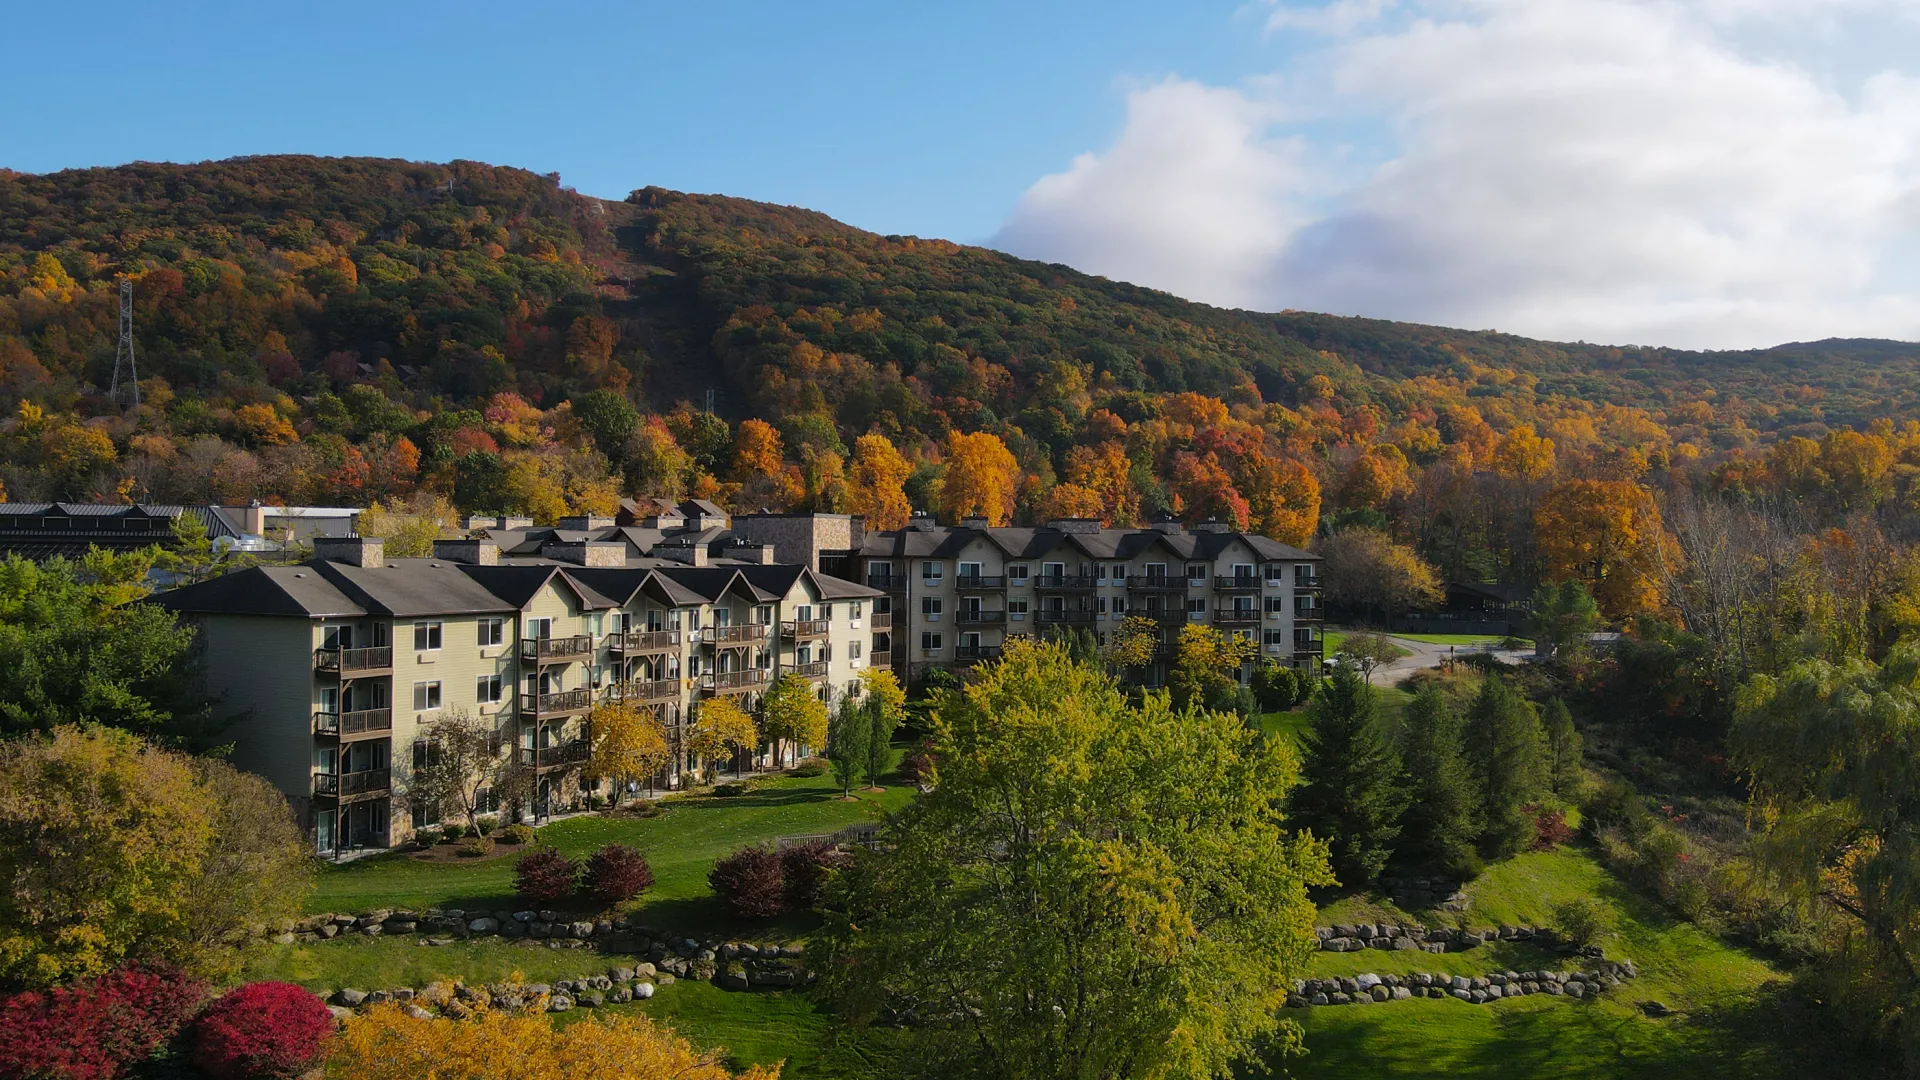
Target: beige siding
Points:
(264, 667)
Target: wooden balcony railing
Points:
(353, 784)
(805, 628)
(634, 642)
(557, 650)
(1156, 583)
(1308, 580)
(976, 652)
(812, 669)
(1058, 618)
(645, 691)
(557, 756)
(733, 682)
(980, 582)
(354, 661)
(979, 618)
(880, 658)
(1308, 613)
(887, 582)
(356, 722)
(744, 634)
(1066, 582)
(558, 703)
(1236, 617)
(1236, 583)
(880, 620)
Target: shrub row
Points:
(544, 876)
(761, 882)
(98, 1030)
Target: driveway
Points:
(1423, 655)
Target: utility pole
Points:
(123, 353)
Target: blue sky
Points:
(913, 118)
(1706, 173)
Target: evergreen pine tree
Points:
(1442, 821)
(1563, 748)
(1507, 751)
(881, 722)
(847, 739)
(1349, 793)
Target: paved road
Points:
(1423, 655)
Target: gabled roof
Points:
(1018, 542)
(298, 591)
(408, 587)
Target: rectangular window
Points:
(1196, 605)
(1100, 604)
(1017, 606)
(693, 618)
(539, 629)
(1100, 572)
(426, 636)
(426, 695)
(763, 614)
(1276, 637)
(1119, 573)
(1055, 570)
(826, 611)
(1017, 573)
(929, 641)
(1276, 605)
(969, 570)
(854, 649)
(486, 689)
(930, 571)
(859, 609)
(1119, 605)
(1276, 573)
(1156, 571)
(492, 632)
(930, 606)
(1197, 572)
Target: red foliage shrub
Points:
(544, 876)
(751, 882)
(617, 872)
(804, 868)
(1550, 828)
(264, 1029)
(94, 1030)
(916, 765)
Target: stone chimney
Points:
(482, 521)
(364, 551)
(747, 551)
(254, 521)
(1165, 522)
(973, 521)
(921, 521)
(516, 523)
(585, 523)
(586, 552)
(1080, 526)
(1213, 525)
(688, 553)
(471, 552)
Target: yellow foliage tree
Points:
(1072, 501)
(629, 745)
(882, 685)
(720, 725)
(1106, 471)
(1374, 477)
(982, 478)
(1609, 534)
(877, 485)
(407, 528)
(1283, 498)
(384, 1043)
(1523, 455)
(262, 425)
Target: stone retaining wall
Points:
(1478, 990)
(1416, 938)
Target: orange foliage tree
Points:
(981, 478)
(1609, 534)
(1105, 471)
(1523, 455)
(1204, 490)
(877, 483)
(1282, 496)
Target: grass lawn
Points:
(761, 1028)
(1391, 703)
(681, 844)
(1728, 1023)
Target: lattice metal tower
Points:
(123, 355)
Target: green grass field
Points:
(681, 844)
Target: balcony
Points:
(1308, 613)
(563, 755)
(1236, 617)
(733, 682)
(1064, 582)
(559, 650)
(1315, 645)
(887, 582)
(347, 787)
(805, 628)
(979, 582)
(359, 723)
(976, 652)
(813, 669)
(880, 658)
(1062, 618)
(979, 618)
(1305, 581)
(880, 621)
(1169, 616)
(645, 691)
(638, 642)
(733, 636)
(1236, 583)
(558, 703)
(1156, 583)
(351, 663)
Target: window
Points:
(1054, 570)
(969, 570)
(1119, 573)
(859, 608)
(492, 632)
(1197, 572)
(618, 621)
(1275, 637)
(930, 571)
(539, 629)
(1276, 573)
(1017, 606)
(930, 607)
(486, 689)
(1017, 573)
(1100, 572)
(929, 641)
(426, 695)
(674, 619)
(1276, 605)
(853, 649)
(763, 614)
(693, 618)
(1119, 605)
(1156, 571)
(1196, 605)
(1100, 604)
(1243, 571)
(426, 636)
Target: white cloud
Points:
(1615, 170)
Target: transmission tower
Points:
(123, 355)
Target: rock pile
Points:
(1417, 938)
(1478, 990)
(617, 986)
(452, 923)
(1416, 894)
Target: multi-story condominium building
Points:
(955, 595)
(339, 664)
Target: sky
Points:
(1700, 173)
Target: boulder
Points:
(417, 1012)
(642, 991)
(1463, 995)
(582, 930)
(1366, 982)
(350, 998)
(340, 1014)
(1401, 993)
(285, 939)
(592, 998)
(622, 974)
(1380, 993)
(559, 1003)
(483, 925)
(1575, 988)
(1318, 999)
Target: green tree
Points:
(1131, 644)
(1563, 616)
(114, 849)
(1368, 650)
(882, 721)
(77, 646)
(1350, 785)
(847, 739)
(793, 715)
(609, 419)
(1507, 751)
(1093, 888)
(193, 556)
(1442, 818)
(1205, 665)
(1563, 749)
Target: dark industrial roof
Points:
(1032, 543)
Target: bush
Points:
(751, 882)
(428, 836)
(94, 1030)
(517, 834)
(1582, 922)
(916, 765)
(543, 877)
(1274, 687)
(1550, 828)
(264, 1029)
(453, 830)
(617, 872)
(805, 867)
(485, 824)
(809, 768)
(477, 847)
(732, 790)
